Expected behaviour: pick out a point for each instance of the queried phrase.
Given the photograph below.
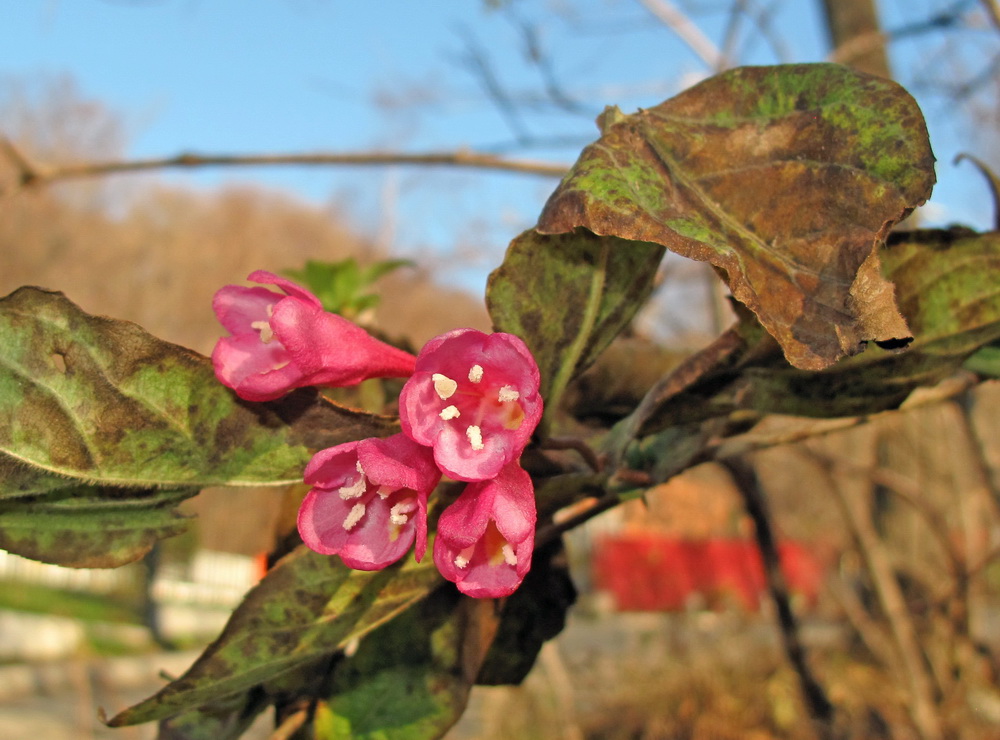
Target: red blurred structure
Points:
(649, 572)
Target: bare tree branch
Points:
(31, 174)
(762, 19)
(992, 8)
(477, 61)
(821, 710)
(797, 432)
(675, 19)
(890, 596)
(543, 63)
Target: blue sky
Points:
(231, 76)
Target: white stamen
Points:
(399, 513)
(266, 334)
(460, 561)
(384, 492)
(476, 373)
(354, 516)
(475, 436)
(356, 488)
(508, 554)
(507, 393)
(444, 386)
(450, 412)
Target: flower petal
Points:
(333, 351)
(485, 538)
(474, 398)
(368, 502)
(293, 289)
(256, 371)
(237, 308)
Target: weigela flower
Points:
(368, 502)
(485, 539)
(474, 398)
(285, 341)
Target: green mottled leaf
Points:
(89, 527)
(103, 403)
(787, 178)
(410, 679)
(307, 607)
(226, 720)
(568, 296)
(946, 287)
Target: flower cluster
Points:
(467, 411)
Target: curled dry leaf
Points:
(786, 178)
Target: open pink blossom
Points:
(474, 398)
(285, 341)
(485, 539)
(368, 502)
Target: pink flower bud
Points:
(485, 539)
(368, 502)
(281, 342)
(474, 398)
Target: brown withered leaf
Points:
(786, 178)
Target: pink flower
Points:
(474, 398)
(368, 503)
(280, 342)
(485, 539)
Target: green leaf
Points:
(384, 267)
(947, 289)
(226, 720)
(83, 527)
(104, 429)
(985, 362)
(568, 296)
(307, 607)
(410, 679)
(786, 178)
(339, 285)
(103, 403)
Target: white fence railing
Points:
(211, 578)
(97, 580)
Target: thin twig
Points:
(290, 725)
(821, 710)
(762, 19)
(477, 61)
(992, 8)
(755, 440)
(907, 491)
(675, 19)
(572, 443)
(912, 664)
(30, 174)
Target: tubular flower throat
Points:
(485, 539)
(283, 341)
(368, 502)
(474, 399)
